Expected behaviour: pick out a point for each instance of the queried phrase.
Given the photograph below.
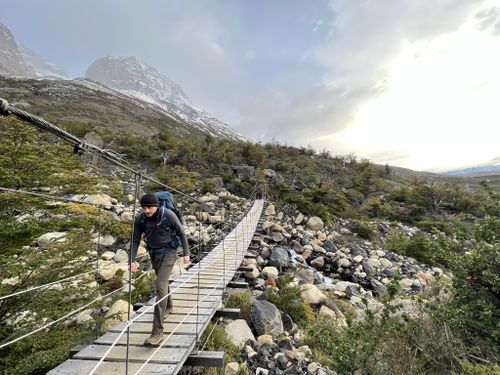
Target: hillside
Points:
(360, 269)
(132, 77)
(80, 102)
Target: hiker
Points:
(163, 234)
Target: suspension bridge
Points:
(198, 294)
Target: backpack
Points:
(166, 199)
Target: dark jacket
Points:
(156, 236)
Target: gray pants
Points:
(163, 268)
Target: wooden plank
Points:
(174, 341)
(136, 354)
(228, 313)
(179, 310)
(220, 264)
(206, 359)
(237, 285)
(84, 367)
(197, 297)
(148, 318)
(175, 328)
(207, 305)
(176, 318)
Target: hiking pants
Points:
(163, 267)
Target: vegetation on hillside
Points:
(459, 231)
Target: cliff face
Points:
(136, 79)
(11, 59)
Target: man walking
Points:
(162, 230)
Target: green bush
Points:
(364, 230)
(214, 338)
(347, 309)
(242, 301)
(468, 368)
(385, 345)
(207, 186)
(288, 300)
(420, 247)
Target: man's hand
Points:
(186, 259)
(133, 267)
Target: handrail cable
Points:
(53, 197)
(129, 323)
(78, 144)
(171, 333)
(45, 285)
(150, 307)
(97, 247)
(58, 320)
(138, 181)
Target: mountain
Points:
(42, 66)
(75, 102)
(480, 170)
(138, 80)
(11, 59)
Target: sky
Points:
(412, 83)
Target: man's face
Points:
(149, 210)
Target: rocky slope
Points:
(131, 77)
(11, 59)
(42, 66)
(81, 101)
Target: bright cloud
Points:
(439, 107)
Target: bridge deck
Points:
(197, 294)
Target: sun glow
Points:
(440, 106)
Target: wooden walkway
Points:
(197, 294)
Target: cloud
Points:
(361, 38)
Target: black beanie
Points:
(149, 200)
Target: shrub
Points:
(385, 345)
(207, 186)
(347, 309)
(214, 338)
(288, 300)
(419, 247)
(467, 368)
(241, 300)
(363, 230)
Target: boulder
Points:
(270, 273)
(253, 274)
(405, 283)
(239, 332)
(116, 314)
(312, 295)
(299, 219)
(106, 240)
(277, 237)
(232, 368)
(270, 210)
(107, 255)
(279, 258)
(329, 246)
(98, 199)
(264, 339)
(244, 172)
(314, 223)
(121, 256)
(53, 237)
(266, 318)
(327, 314)
(318, 263)
(377, 286)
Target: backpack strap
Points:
(164, 219)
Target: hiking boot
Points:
(154, 339)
